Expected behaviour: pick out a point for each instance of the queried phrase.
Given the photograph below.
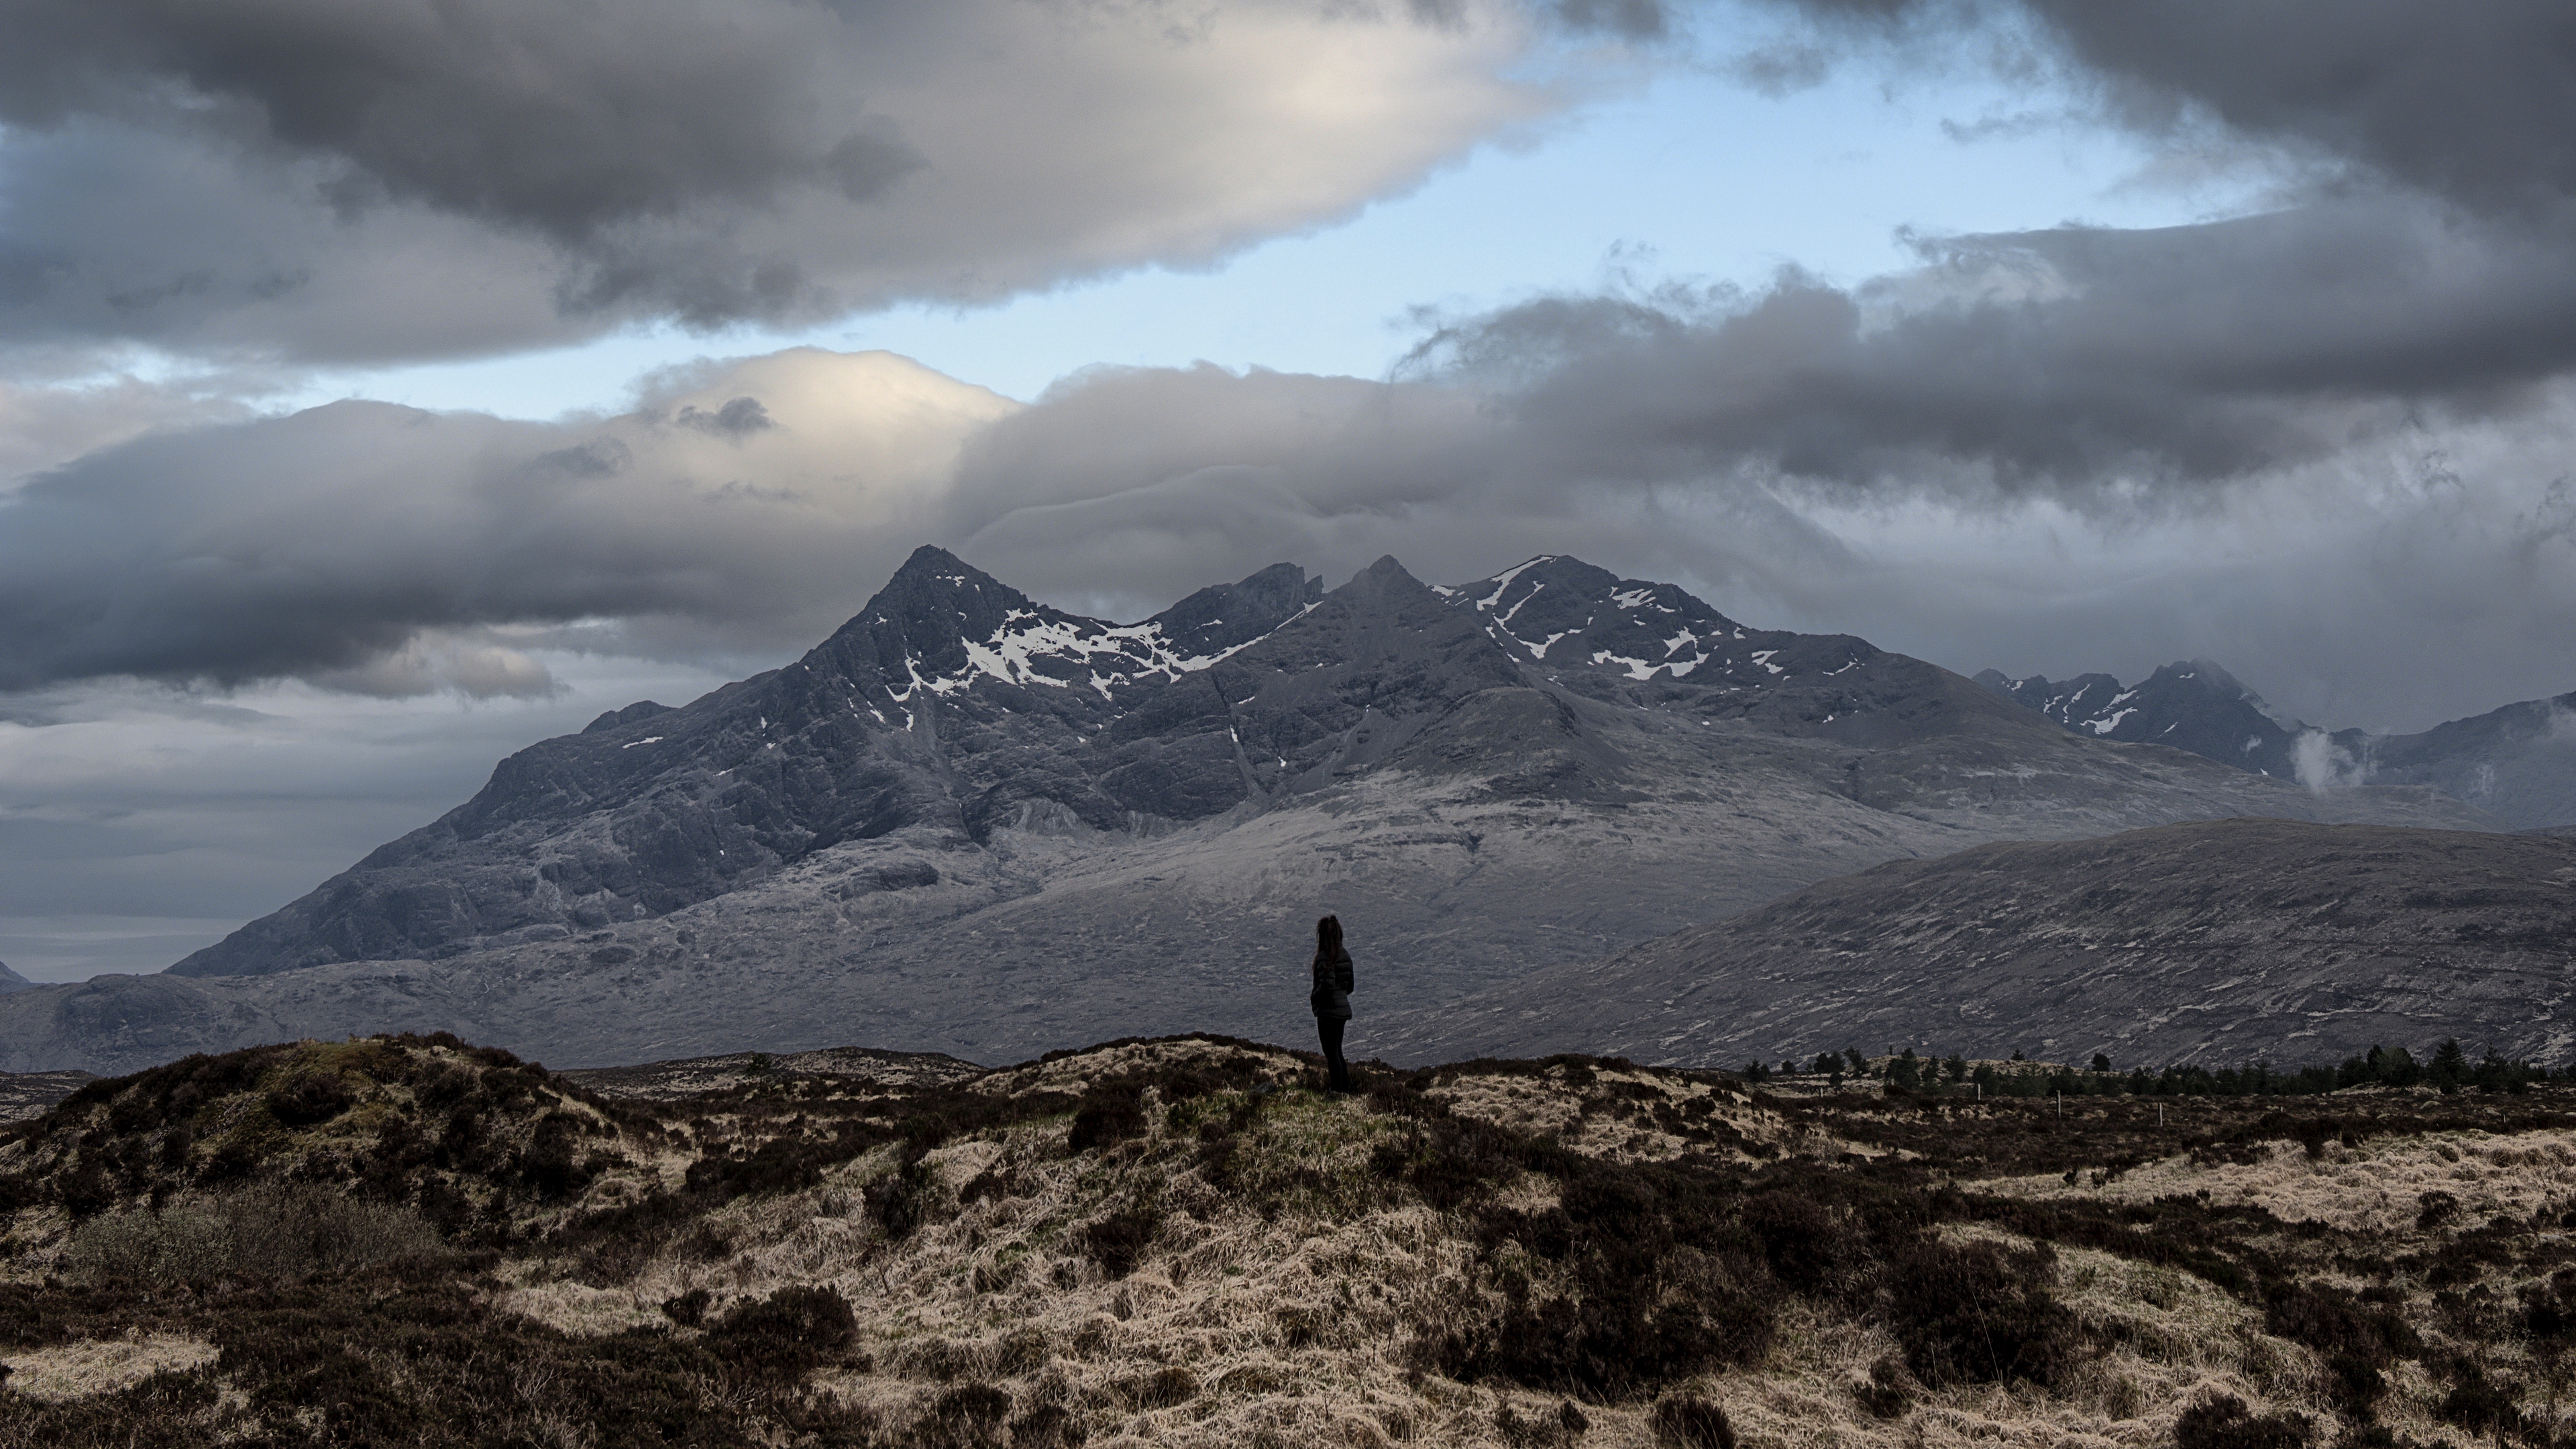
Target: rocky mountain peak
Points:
(1227, 616)
(2190, 704)
(926, 617)
(957, 707)
(2516, 763)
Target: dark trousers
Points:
(1331, 1028)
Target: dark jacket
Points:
(1331, 997)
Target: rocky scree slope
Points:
(2517, 763)
(971, 824)
(2219, 942)
(1180, 1241)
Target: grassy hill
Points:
(410, 1240)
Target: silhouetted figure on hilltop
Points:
(1331, 998)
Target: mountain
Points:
(950, 700)
(2218, 942)
(974, 824)
(2517, 763)
(2194, 705)
(12, 981)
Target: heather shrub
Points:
(1799, 1238)
(1885, 1394)
(310, 1097)
(2338, 1325)
(1968, 1315)
(290, 1232)
(786, 1334)
(1119, 1241)
(902, 1200)
(2223, 1422)
(966, 1417)
(1048, 1426)
(1109, 1113)
(2478, 1405)
(1687, 1421)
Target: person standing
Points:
(1331, 999)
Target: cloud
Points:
(2421, 573)
(44, 425)
(2420, 256)
(323, 182)
(2418, 571)
(2080, 360)
(2324, 766)
(432, 661)
(376, 548)
(2472, 101)
(138, 822)
(2324, 445)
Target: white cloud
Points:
(366, 545)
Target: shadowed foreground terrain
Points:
(409, 1240)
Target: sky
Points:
(383, 389)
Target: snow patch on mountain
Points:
(1100, 654)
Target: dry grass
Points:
(102, 1366)
(1277, 1274)
(2375, 1187)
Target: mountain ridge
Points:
(972, 824)
(2517, 761)
(1048, 719)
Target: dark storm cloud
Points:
(1636, 19)
(2075, 358)
(556, 115)
(1629, 19)
(423, 178)
(2474, 100)
(2391, 313)
(2427, 261)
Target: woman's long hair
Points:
(1328, 938)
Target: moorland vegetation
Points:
(412, 1240)
(2447, 1068)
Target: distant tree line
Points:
(2449, 1069)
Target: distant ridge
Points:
(2517, 763)
(971, 823)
